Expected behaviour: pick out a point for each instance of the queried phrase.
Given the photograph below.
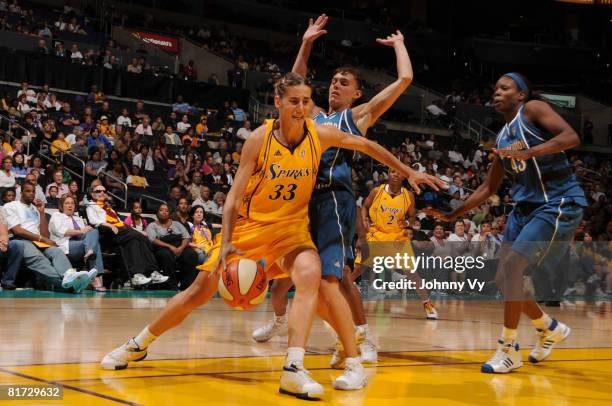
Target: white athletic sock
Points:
(280, 319)
(543, 322)
(295, 355)
(353, 362)
(144, 338)
(365, 328)
(508, 335)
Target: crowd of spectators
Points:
(175, 157)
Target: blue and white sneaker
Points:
(86, 280)
(556, 333)
(506, 359)
(73, 279)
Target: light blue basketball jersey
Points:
(544, 179)
(335, 168)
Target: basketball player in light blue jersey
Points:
(549, 204)
(333, 210)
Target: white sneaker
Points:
(369, 352)
(353, 378)
(85, 280)
(73, 279)
(506, 358)
(156, 277)
(139, 280)
(430, 311)
(122, 355)
(279, 326)
(367, 347)
(556, 333)
(296, 381)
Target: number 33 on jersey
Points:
(281, 186)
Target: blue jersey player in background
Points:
(549, 204)
(333, 211)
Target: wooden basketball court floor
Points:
(210, 359)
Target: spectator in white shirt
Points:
(144, 156)
(430, 143)
(7, 178)
(30, 94)
(78, 241)
(455, 156)
(205, 201)
(72, 137)
(183, 125)
(144, 128)
(75, 54)
(51, 102)
(60, 24)
(23, 107)
(245, 131)
(171, 137)
(124, 119)
(448, 175)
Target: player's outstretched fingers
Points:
(440, 183)
(415, 186)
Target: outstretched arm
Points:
(485, 190)
(332, 137)
(314, 31)
(365, 115)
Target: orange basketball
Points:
(243, 284)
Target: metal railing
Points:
(10, 124)
(259, 110)
(49, 156)
(125, 188)
(474, 130)
(149, 197)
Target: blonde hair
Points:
(289, 80)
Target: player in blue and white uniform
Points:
(333, 210)
(549, 204)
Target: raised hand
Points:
(392, 39)
(416, 178)
(315, 28)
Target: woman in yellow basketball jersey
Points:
(386, 213)
(266, 217)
